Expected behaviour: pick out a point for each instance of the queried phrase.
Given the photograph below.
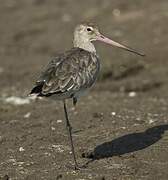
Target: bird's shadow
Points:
(127, 143)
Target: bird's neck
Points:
(84, 44)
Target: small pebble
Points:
(27, 115)
(53, 128)
(21, 149)
(59, 121)
(132, 94)
(151, 121)
(113, 113)
(58, 148)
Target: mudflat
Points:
(120, 127)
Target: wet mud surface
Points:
(120, 129)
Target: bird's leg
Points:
(69, 128)
(74, 101)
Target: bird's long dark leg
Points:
(69, 128)
(74, 101)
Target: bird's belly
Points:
(80, 93)
(85, 89)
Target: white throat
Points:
(83, 43)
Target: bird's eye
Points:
(89, 29)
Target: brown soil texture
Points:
(120, 127)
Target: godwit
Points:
(71, 73)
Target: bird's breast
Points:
(89, 72)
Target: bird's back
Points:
(67, 74)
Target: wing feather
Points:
(67, 72)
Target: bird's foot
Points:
(80, 168)
(76, 167)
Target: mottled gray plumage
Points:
(68, 74)
(71, 73)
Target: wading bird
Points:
(70, 74)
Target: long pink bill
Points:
(113, 43)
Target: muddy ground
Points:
(120, 128)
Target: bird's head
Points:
(86, 33)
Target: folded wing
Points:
(66, 73)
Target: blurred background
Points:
(33, 31)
